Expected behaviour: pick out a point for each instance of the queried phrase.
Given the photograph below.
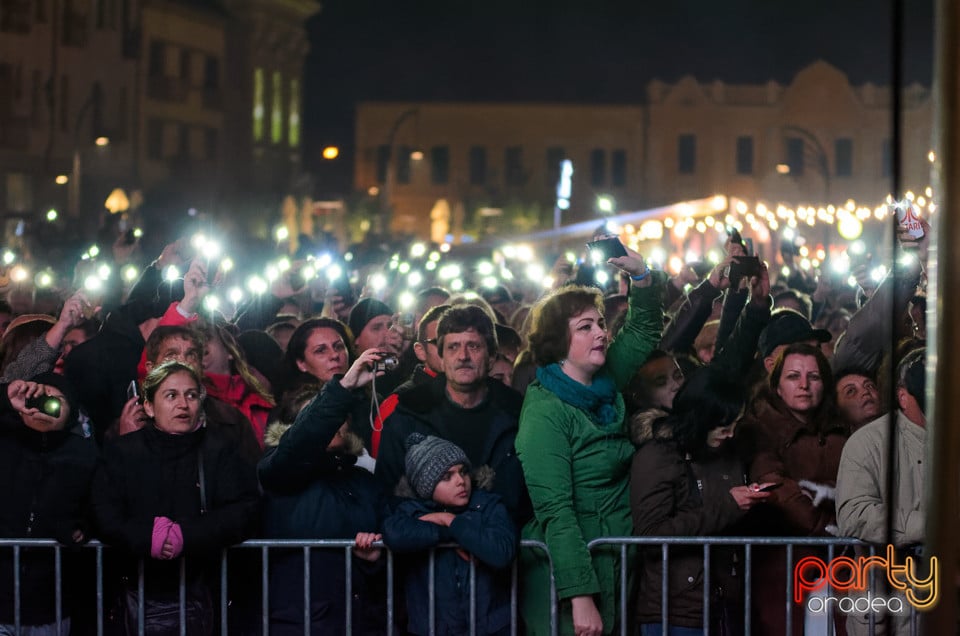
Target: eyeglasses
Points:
(429, 341)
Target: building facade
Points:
(183, 101)
(818, 140)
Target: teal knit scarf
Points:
(598, 400)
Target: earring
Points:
(562, 362)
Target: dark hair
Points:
(163, 332)
(637, 395)
(89, 327)
(159, 374)
(550, 332)
(461, 318)
(707, 400)
(911, 376)
(433, 314)
(294, 401)
(853, 370)
(508, 338)
(297, 346)
(826, 375)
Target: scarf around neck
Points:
(599, 400)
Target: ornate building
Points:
(817, 140)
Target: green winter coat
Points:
(578, 478)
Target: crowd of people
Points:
(692, 405)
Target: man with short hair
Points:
(464, 406)
(863, 502)
(371, 323)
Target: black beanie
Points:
(365, 311)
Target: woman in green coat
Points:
(575, 452)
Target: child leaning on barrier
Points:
(447, 509)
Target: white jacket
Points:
(862, 479)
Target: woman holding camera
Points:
(175, 488)
(315, 490)
(574, 449)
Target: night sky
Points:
(602, 51)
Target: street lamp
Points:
(605, 204)
(386, 206)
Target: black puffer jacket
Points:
(48, 478)
(148, 474)
(310, 493)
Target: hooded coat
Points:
(310, 493)
(673, 494)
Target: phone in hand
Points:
(744, 266)
(604, 249)
(133, 390)
(46, 404)
(771, 487)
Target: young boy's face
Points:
(453, 489)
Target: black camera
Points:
(388, 363)
(46, 404)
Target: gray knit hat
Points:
(428, 458)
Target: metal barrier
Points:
(346, 545)
(265, 546)
(747, 543)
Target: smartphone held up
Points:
(604, 249)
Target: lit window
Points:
(293, 125)
(276, 109)
(258, 104)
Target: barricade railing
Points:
(747, 543)
(264, 546)
(625, 544)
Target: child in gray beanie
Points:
(447, 510)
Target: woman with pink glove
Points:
(172, 489)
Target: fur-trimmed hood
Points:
(641, 427)
(353, 445)
(482, 479)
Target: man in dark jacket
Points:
(464, 406)
(48, 466)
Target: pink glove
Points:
(176, 539)
(161, 530)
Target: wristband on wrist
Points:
(640, 277)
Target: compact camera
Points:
(388, 363)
